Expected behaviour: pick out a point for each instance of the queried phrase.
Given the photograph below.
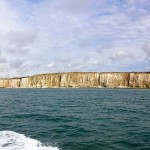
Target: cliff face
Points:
(80, 80)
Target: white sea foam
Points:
(10, 140)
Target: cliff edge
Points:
(81, 80)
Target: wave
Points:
(10, 140)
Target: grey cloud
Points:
(76, 5)
(20, 38)
(16, 50)
(21, 68)
(104, 47)
(85, 63)
(85, 42)
(26, 68)
(63, 60)
(22, 64)
(79, 29)
(18, 41)
(119, 55)
(146, 49)
(16, 63)
(4, 72)
(66, 64)
(3, 60)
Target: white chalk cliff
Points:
(81, 80)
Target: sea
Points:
(74, 119)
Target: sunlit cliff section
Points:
(81, 80)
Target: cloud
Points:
(16, 50)
(77, 35)
(146, 49)
(83, 63)
(52, 66)
(18, 42)
(21, 67)
(120, 55)
(16, 64)
(20, 38)
(2, 59)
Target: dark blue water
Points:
(79, 119)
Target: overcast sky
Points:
(44, 36)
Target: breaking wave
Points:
(10, 140)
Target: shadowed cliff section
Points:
(81, 80)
